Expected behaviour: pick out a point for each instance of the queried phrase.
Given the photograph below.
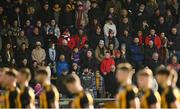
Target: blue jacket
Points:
(136, 53)
(61, 66)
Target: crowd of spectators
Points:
(89, 37)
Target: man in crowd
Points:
(38, 53)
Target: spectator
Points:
(174, 64)
(52, 54)
(120, 57)
(57, 13)
(99, 85)
(53, 34)
(31, 14)
(55, 30)
(24, 64)
(45, 13)
(68, 16)
(139, 15)
(61, 86)
(144, 27)
(96, 37)
(136, 54)
(81, 15)
(89, 62)
(75, 68)
(95, 12)
(23, 53)
(64, 49)
(116, 4)
(106, 64)
(141, 37)
(62, 65)
(174, 40)
(36, 37)
(154, 63)
(162, 26)
(28, 29)
(79, 40)
(17, 14)
(22, 39)
(111, 38)
(89, 81)
(155, 38)
(111, 82)
(75, 56)
(65, 36)
(124, 24)
(15, 28)
(125, 39)
(7, 55)
(100, 51)
(129, 5)
(151, 5)
(9, 38)
(4, 25)
(112, 14)
(109, 25)
(112, 50)
(163, 51)
(38, 53)
(149, 50)
(155, 17)
(84, 50)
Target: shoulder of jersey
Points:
(132, 87)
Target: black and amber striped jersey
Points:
(2, 98)
(82, 100)
(125, 95)
(12, 98)
(49, 97)
(149, 97)
(169, 95)
(27, 97)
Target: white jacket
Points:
(109, 26)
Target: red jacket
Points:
(157, 40)
(76, 42)
(140, 40)
(61, 39)
(106, 65)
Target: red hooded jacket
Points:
(106, 65)
(156, 40)
(76, 41)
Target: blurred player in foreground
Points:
(49, 96)
(169, 93)
(127, 96)
(27, 96)
(82, 98)
(148, 97)
(12, 96)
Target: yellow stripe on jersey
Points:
(144, 102)
(90, 99)
(43, 100)
(7, 100)
(164, 104)
(122, 99)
